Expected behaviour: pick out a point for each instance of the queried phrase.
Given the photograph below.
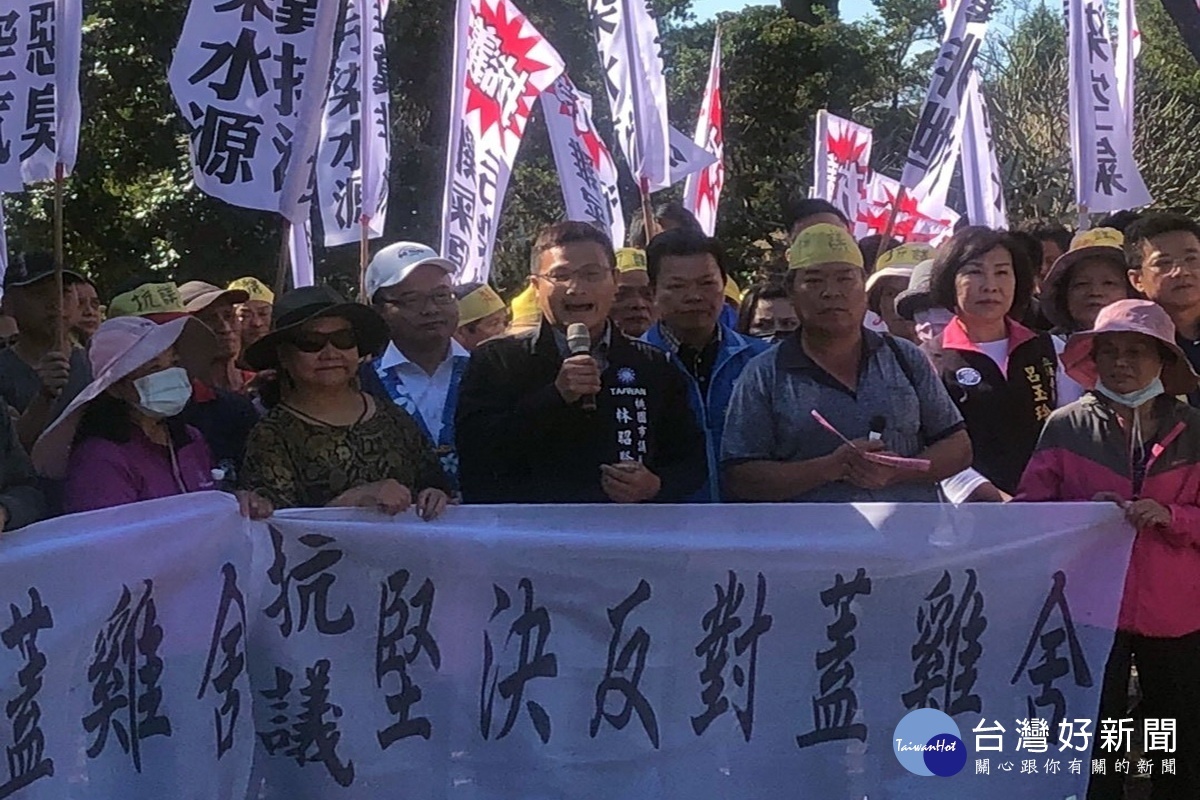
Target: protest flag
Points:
(501, 65)
(702, 192)
(841, 162)
(586, 169)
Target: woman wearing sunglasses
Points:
(325, 442)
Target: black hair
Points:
(682, 242)
(1119, 220)
(564, 233)
(772, 290)
(464, 289)
(1032, 245)
(969, 244)
(797, 209)
(107, 417)
(673, 213)
(873, 246)
(1045, 231)
(1151, 225)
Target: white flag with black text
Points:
(586, 168)
(501, 65)
(627, 38)
(941, 114)
(353, 157)
(39, 90)
(250, 80)
(1107, 178)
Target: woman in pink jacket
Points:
(1130, 441)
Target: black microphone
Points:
(878, 426)
(579, 342)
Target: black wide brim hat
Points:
(307, 303)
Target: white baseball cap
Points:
(394, 263)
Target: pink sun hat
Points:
(1130, 316)
(119, 347)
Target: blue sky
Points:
(850, 9)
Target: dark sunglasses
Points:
(345, 339)
(9, 341)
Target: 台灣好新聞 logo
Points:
(927, 742)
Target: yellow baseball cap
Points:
(146, 300)
(255, 288)
(480, 303)
(1106, 243)
(824, 244)
(733, 292)
(906, 255)
(630, 259)
(525, 310)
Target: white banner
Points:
(702, 192)
(631, 57)
(920, 219)
(586, 168)
(250, 80)
(514, 653)
(523, 652)
(39, 89)
(353, 157)
(502, 64)
(942, 110)
(1106, 174)
(841, 162)
(300, 250)
(982, 184)
(129, 680)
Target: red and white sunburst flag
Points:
(585, 165)
(918, 218)
(501, 65)
(841, 162)
(702, 192)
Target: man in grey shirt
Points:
(859, 381)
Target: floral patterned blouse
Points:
(298, 463)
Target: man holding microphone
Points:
(573, 411)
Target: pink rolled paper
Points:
(915, 464)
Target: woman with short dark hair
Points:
(1000, 374)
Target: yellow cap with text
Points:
(630, 259)
(483, 302)
(824, 244)
(255, 288)
(149, 298)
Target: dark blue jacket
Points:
(734, 354)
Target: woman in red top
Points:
(1130, 441)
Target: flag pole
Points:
(647, 211)
(1084, 221)
(285, 260)
(59, 258)
(364, 253)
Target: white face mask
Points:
(165, 393)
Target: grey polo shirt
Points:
(770, 415)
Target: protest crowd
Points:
(977, 372)
(983, 364)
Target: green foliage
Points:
(131, 207)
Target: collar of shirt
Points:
(793, 358)
(393, 357)
(673, 344)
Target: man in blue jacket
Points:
(687, 275)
